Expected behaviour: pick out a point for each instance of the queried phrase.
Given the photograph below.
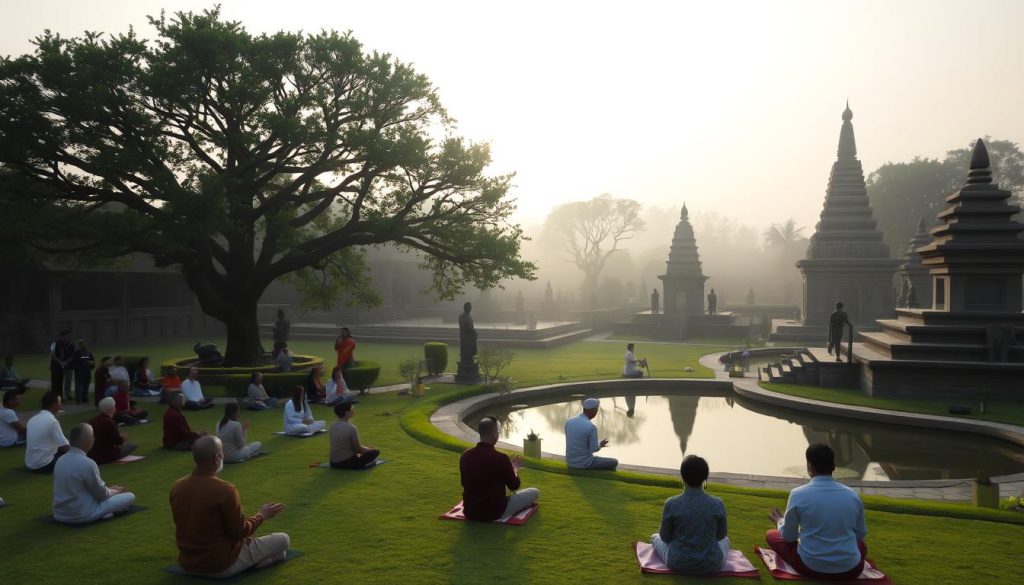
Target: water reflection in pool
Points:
(741, 436)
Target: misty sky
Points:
(733, 107)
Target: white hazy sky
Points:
(731, 106)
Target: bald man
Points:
(79, 494)
(214, 537)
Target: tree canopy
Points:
(244, 159)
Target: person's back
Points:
(485, 475)
(208, 520)
(830, 516)
(77, 493)
(233, 437)
(580, 436)
(692, 525)
(107, 439)
(342, 435)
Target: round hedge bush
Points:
(436, 354)
(362, 375)
(301, 364)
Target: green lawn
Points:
(1004, 411)
(381, 526)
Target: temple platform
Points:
(680, 327)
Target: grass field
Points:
(1004, 411)
(381, 526)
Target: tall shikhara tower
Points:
(683, 279)
(847, 261)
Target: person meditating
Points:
(145, 384)
(193, 391)
(693, 537)
(486, 473)
(822, 532)
(257, 394)
(337, 389)
(346, 450)
(298, 418)
(44, 439)
(79, 494)
(177, 434)
(315, 390)
(581, 440)
(633, 365)
(172, 385)
(214, 537)
(232, 436)
(126, 410)
(109, 443)
(12, 430)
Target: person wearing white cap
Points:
(581, 440)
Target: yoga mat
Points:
(376, 462)
(260, 454)
(736, 565)
(50, 520)
(130, 458)
(177, 570)
(517, 519)
(782, 570)
(302, 436)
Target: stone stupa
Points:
(916, 283)
(683, 281)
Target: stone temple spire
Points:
(683, 279)
(847, 144)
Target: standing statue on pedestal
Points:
(712, 303)
(468, 372)
(835, 331)
(655, 302)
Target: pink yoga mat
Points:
(782, 570)
(130, 458)
(517, 519)
(736, 565)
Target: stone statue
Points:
(751, 299)
(901, 297)
(655, 302)
(835, 331)
(209, 354)
(999, 339)
(712, 303)
(468, 372)
(911, 296)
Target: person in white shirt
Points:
(79, 494)
(581, 440)
(633, 365)
(232, 436)
(118, 372)
(193, 392)
(298, 418)
(12, 430)
(337, 390)
(44, 439)
(821, 535)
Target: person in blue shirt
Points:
(693, 537)
(581, 440)
(822, 532)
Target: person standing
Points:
(712, 303)
(486, 473)
(214, 537)
(346, 450)
(83, 363)
(345, 345)
(282, 330)
(836, 321)
(61, 351)
(693, 536)
(821, 535)
(655, 302)
(44, 439)
(79, 494)
(581, 440)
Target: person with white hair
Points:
(79, 494)
(109, 442)
(581, 440)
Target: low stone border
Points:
(449, 419)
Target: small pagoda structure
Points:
(846, 261)
(970, 342)
(683, 281)
(915, 282)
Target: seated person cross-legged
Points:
(693, 537)
(214, 537)
(193, 391)
(171, 385)
(79, 494)
(44, 439)
(126, 411)
(316, 392)
(337, 389)
(346, 450)
(581, 440)
(144, 383)
(257, 397)
(232, 436)
(822, 532)
(298, 418)
(486, 473)
(108, 442)
(633, 365)
(177, 434)
(12, 430)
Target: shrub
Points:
(436, 354)
(218, 375)
(493, 361)
(409, 369)
(362, 375)
(277, 384)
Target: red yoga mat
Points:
(517, 519)
(782, 570)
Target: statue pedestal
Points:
(468, 373)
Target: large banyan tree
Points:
(244, 159)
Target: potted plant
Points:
(531, 445)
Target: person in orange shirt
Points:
(171, 386)
(345, 345)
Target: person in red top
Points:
(485, 475)
(214, 537)
(345, 345)
(125, 410)
(177, 434)
(108, 442)
(172, 386)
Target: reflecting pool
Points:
(741, 436)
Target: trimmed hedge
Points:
(217, 376)
(278, 384)
(436, 354)
(362, 375)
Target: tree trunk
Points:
(244, 346)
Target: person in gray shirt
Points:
(693, 537)
(346, 450)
